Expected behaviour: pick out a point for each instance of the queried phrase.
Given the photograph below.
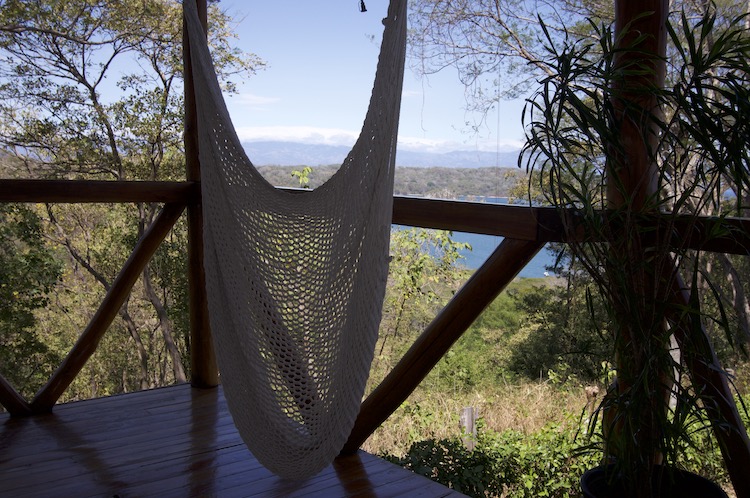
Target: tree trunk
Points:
(739, 298)
(165, 324)
(142, 353)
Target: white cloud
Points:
(338, 136)
(438, 146)
(427, 145)
(412, 93)
(303, 134)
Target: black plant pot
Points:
(596, 483)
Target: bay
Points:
(483, 245)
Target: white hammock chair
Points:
(296, 281)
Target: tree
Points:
(498, 48)
(495, 45)
(422, 275)
(563, 330)
(29, 269)
(93, 90)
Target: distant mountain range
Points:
(299, 154)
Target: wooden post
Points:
(632, 172)
(632, 175)
(468, 421)
(467, 304)
(204, 372)
(100, 322)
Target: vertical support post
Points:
(632, 183)
(632, 172)
(204, 372)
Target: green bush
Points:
(509, 463)
(547, 463)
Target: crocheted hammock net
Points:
(296, 281)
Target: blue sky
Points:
(322, 57)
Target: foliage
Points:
(544, 462)
(669, 150)
(422, 276)
(558, 335)
(92, 87)
(508, 463)
(93, 90)
(496, 47)
(303, 176)
(29, 270)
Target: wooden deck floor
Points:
(174, 441)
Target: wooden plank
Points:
(81, 191)
(176, 441)
(203, 367)
(11, 400)
(115, 297)
(467, 304)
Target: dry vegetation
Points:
(524, 406)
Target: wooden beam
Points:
(114, 299)
(710, 381)
(707, 233)
(80, 191)
(516, 222)
(480, 290)
(12, 401)
(728, 235)
(203, 367)
(544, 224)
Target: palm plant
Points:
(633, 161)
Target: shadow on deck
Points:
(173, 441)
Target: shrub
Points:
(546, 463)
(508, 463)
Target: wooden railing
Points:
(526, 230)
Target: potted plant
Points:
(633, 162)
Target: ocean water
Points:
(483, 245)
